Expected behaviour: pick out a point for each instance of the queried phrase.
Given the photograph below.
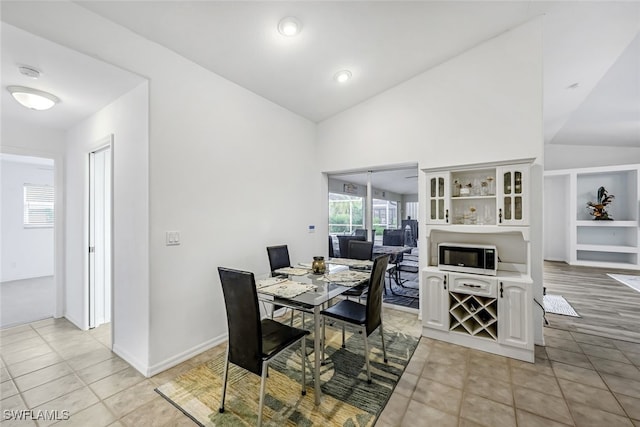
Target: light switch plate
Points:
(172, 238)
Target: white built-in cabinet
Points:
(483, 204)
(595, 243)
(482, 196)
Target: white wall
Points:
(483, 106)
(220, 172)
(26, 252)
(583, 156)
(556, 218)
(126, 119)
(27, 140)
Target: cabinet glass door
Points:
(514, 196)
(438, 194)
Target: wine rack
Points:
(473, 315)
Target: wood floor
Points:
(607, 307)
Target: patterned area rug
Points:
(556, 304)
(347, 399)
(631, 281)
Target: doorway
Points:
(100, 236)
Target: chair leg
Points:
(384, 350)
(265, 367)
(366, 354)
(323, 341)
(224, 381)
(304, 357)
(343, 345)
(291, 321)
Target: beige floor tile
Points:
(131, 398)
(440, 396)
(418, 412)
(445, 374)
(20, 336)
(97, 415)
(489, 368)
(42, 376)
(445, 356)
(563, 344)
(593, 339)
(74, 402)
(394, 411)
(7, 389)
(468, 423)
(627, 346)
(580, 375)
(406, 385)
(15, 330)
(119, 424)
(606, 366)
(541, 366)
(569, 357)
(20, 345)
(155, 413)
(102, 369)
(25, 354)
(80, 346)
(604, 353)
(540, 352)
(631, 405)
(13, 422)
(117, 382)
(542, 404)
(52, 390)
(622, 385)
(587, 416)
(98, 355)
(487, 412)
(530, 379)
(4, 374)
(34, 364)
(527, 419)
(415, 366)
(633, 357)
(490, 388)
(558, 333)
(590, 396)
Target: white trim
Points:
(185, 355)
(139, 366)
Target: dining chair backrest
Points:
(374, 296)
(360, 232)
(360, 250)
(393, 237)
(331, 252)
(243, 319)
(278, 257)
(343, 244)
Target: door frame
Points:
(104, 143)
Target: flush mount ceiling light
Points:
(33, 98)
(342, 76)
(289, 26)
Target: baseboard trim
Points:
(139, 366)
(185, 355)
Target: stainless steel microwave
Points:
(468, 258)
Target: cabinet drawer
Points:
(485, 286)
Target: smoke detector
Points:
(29, 71)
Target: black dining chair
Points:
(363, 251)
(367, 316)
(253, 343)
(331, 251)
(278, 258)
(394, 237)
(343, 244)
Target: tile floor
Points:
(578, 379)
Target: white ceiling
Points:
(383, 43)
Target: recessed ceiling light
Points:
(573, 86)
(289, 26)
(33, 98)
(342, 76)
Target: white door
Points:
(99, 237)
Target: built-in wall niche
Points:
(622, 184)
(512, 248)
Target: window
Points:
(38, 205)
(385, 215)
(345, 213)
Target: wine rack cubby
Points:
(473, 315)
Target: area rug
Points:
(631, 281)
(556, 304)
(347, 398)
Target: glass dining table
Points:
(320, 290)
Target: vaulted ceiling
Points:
(591, 54)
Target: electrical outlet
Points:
(172, 238)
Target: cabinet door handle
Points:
(446, 216)
(445, 283)
(500, 215)
(501, 290)
(469, 285)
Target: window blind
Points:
(38, 205)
